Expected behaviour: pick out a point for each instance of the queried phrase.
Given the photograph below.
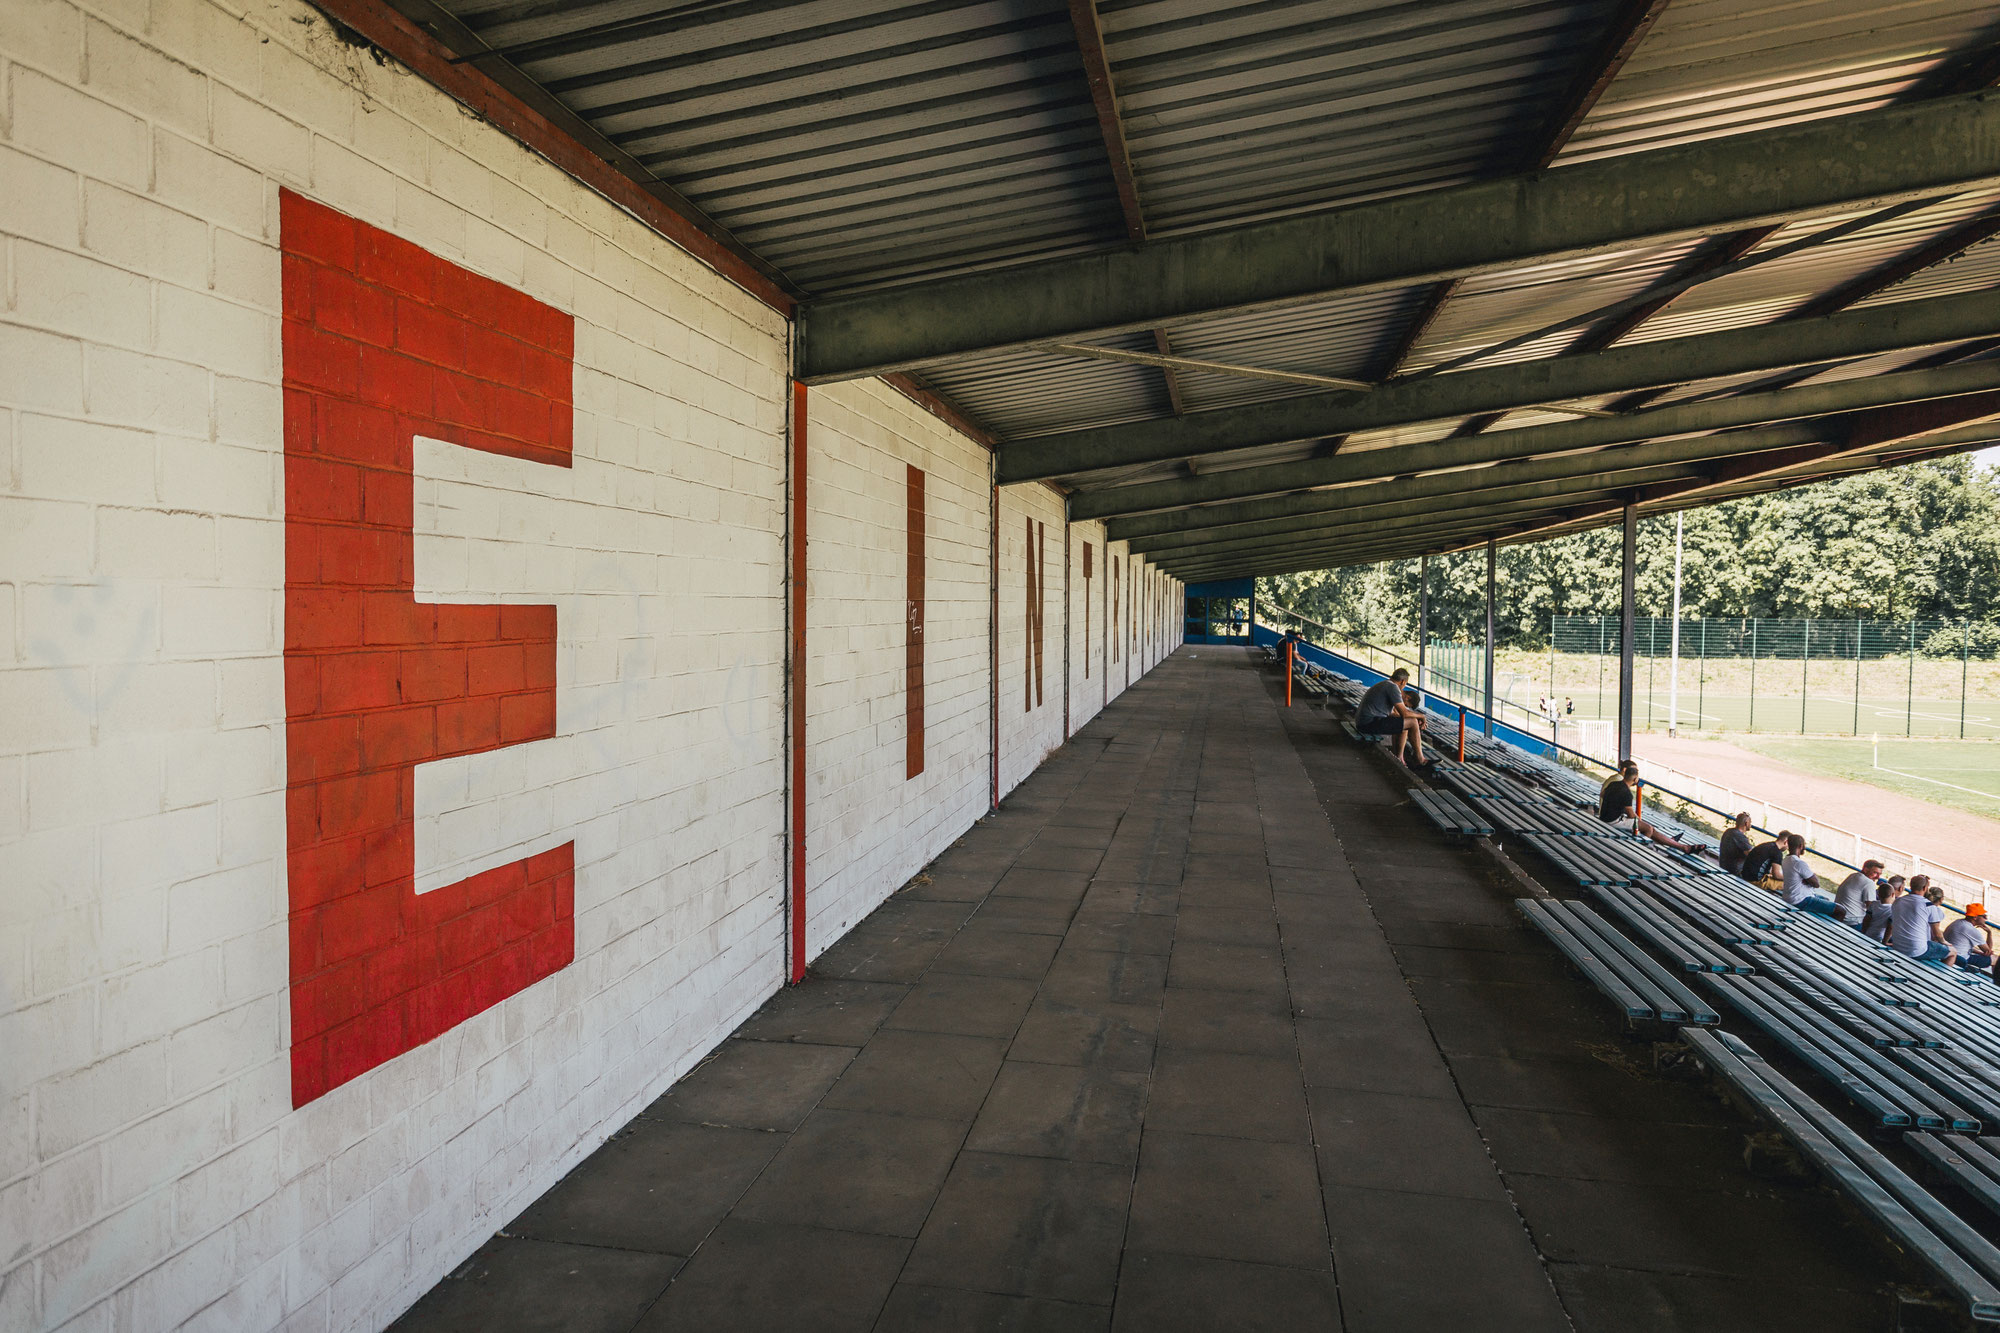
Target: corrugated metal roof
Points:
(1247, 110)
(855, 144)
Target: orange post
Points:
(1288, 673)
(1461, 735)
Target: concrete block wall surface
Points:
(393, 667)
(870, 826)
(1089, 604)
(1031, 673)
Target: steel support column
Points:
(1492, 569)
(1423, 618)
(1627, 629)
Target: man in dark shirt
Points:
(1382, 712)
(1735, 845)
(1764, 858)
(1617, 805)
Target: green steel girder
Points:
(1569, 473)
(1809, 400)
(1792, 467)
(1287, 531)
(1619, 370)
(1941, 146)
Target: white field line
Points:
(1969, 791)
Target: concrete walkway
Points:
(1201, 1031)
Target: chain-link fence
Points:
(1914, 678)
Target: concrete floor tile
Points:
(1114, 1036)
(856, 1171)
(1026, 1226)
(1180, 1293)
(915, 1309)
(826, 1011)
(1102, 976)
(754, 1085)
(1385, 1141)
(935, 1074)
(1233, 967)
(1228, 925)
(970, 1006)
(1127, 932)
(1082, 1113)
(1239, 1021)
(1394, 1275)
(515, 1285)
(988, 951)
(656, 1186)
(1228, 1199)
(1237, 1096)
(754, 1277)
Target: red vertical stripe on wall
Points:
(913, 620)
(795, 690)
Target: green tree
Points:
(1918, 541)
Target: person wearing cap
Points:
(1970, 938)
(1916, 924)
(1856, 891)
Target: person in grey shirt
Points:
(1855, 892)
(1382, 712)
(1735, 844)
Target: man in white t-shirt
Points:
(1857, 891)
(1801, 884)
(1969, 939)
(1916, 924)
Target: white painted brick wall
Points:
(1088, 606)
(152, 1169)
(868, 827)
(1029, 735)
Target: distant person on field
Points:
(1735, 844)
(1876, 924)
(1801, 884)
(1857, 891)
(1617, 803)
(1569, 706)
(1971, 939)
(1383, 713)
(1764, 858)
(1916, 924)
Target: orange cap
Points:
(1975, 909)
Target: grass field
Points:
(1964, 775)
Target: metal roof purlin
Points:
(1619, 370)
(1535, 441)
(1944, 146)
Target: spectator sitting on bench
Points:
(1969, 939)
(1916, 924)
(1615, 806)
(1735, 844)
(1383, 713)
(1857, 891)
(1875, 925)
(1802, 885)
(1764, 858)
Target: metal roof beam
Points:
(1523, 384)
(1232, 540)
(1906, 152)
(1862, 441)
(1459, 451)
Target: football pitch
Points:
(1735, 715)
(1964, 775)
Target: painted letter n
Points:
(384, 342)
